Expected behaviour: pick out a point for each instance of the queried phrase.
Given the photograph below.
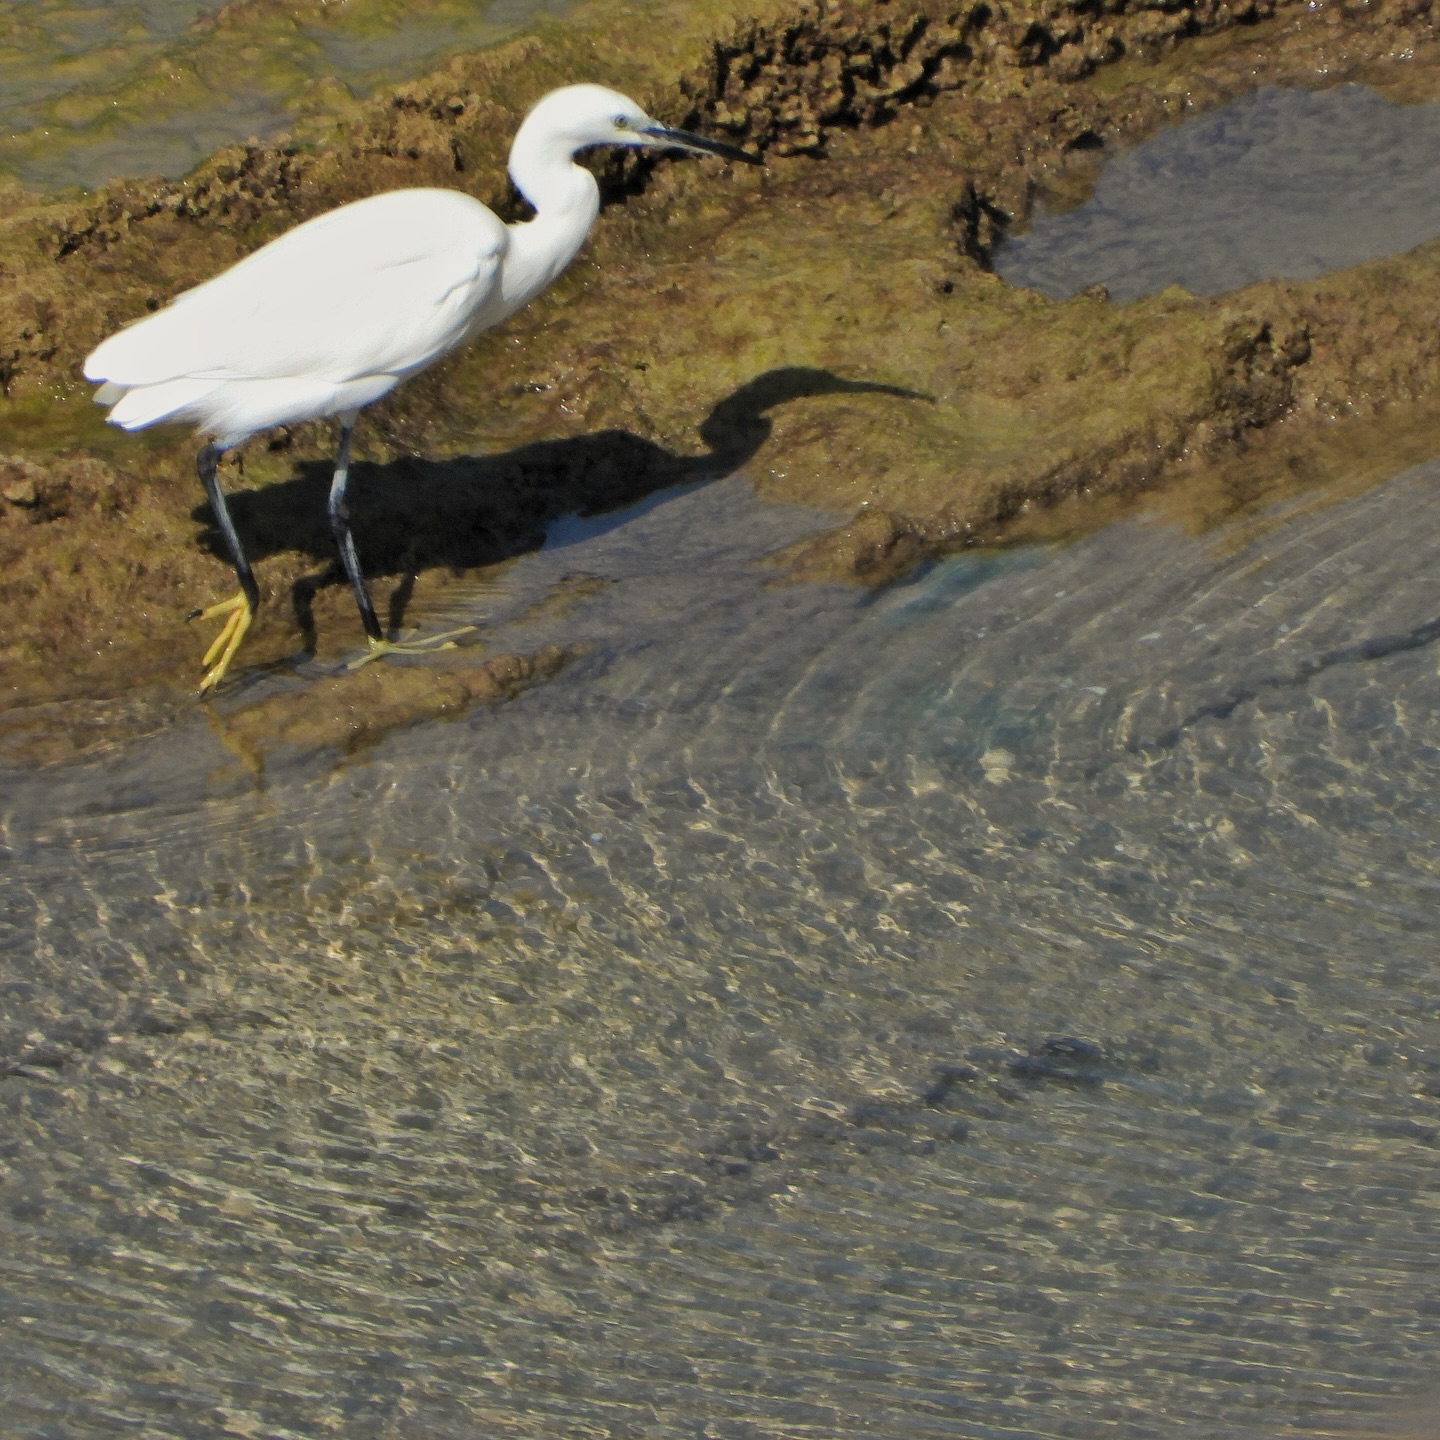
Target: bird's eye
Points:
(622, 122)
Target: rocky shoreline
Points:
(830, 323)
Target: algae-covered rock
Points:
(830, 322)
(345, 712)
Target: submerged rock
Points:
(938, 405)
(346, 712)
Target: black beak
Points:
(698, 144)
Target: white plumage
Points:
(325, 319)
(338, 311)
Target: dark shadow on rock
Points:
(413, 514)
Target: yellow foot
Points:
(376, 648)
(238, 615)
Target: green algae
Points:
(45, 425)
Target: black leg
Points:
(340, 524)
(239, 610)
(205, 466)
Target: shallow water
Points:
(1278, 184)
(1002, 1004)
(98, 89)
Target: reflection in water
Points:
(1003, 1003)
(1279, 183)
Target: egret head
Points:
(581, 116)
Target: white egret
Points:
(337, 312)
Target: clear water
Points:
(1002, 1005)
(1278, 184)
(689, 1043)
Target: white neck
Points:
(566, 200)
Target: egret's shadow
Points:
(413, 514)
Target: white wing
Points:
(379, 287)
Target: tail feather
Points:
(143, 405)
(150, 350)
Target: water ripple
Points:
(809, 1014)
